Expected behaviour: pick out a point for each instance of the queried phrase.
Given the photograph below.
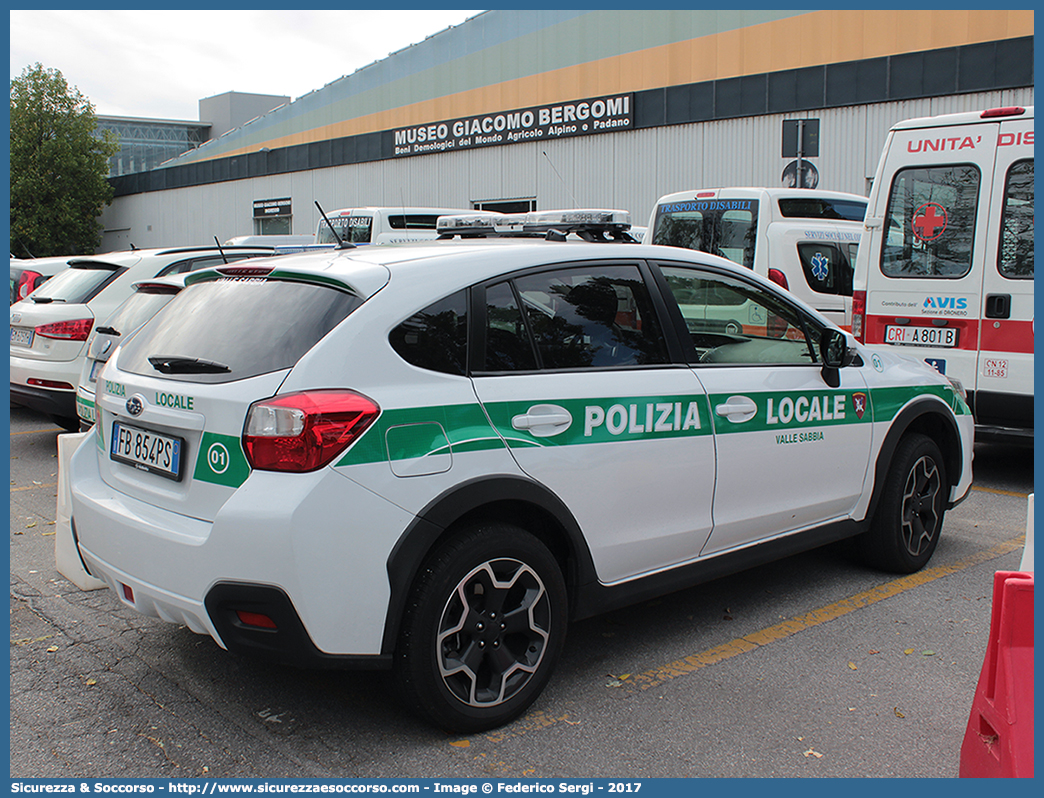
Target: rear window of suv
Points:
(80, 283)
(238, 328)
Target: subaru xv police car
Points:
(433, 457)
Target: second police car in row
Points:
(433, 457)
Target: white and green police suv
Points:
(432, 457)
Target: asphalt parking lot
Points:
(810, 667)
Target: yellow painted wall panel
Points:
(730, 54)
(816, 38)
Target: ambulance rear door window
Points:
(1015, 259)
(931, 222)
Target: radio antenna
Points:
(220, 250)
(340, 244)
(564, 185)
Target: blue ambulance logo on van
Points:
(820, 266)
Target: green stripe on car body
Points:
(465, 428)
(416, 432)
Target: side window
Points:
(590, 317)
(436, 338)
(827, 269)
(1015, 259)
(931, 222)
(508, 346)
(733, 322)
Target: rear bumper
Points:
(282, 545)
(45, 400)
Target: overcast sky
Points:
(160, 64)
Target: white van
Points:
(372, 225)
(803, 239)
(945, 271)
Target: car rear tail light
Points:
(776, 276)
(304, 431)
(76, 330)
(26, 283)
(858, 314)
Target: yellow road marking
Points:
(1001, 492)
(35, 487)
(34, 431)
(538, 720)
(750, 642)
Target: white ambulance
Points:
(945, 270)
(802, 239)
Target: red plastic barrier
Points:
(999, 739)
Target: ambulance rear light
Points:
(1010, 110)
(780, 279)
(705, 194)
(858, 314)
(591, 224)
(304, 431)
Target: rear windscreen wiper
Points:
(172, 364)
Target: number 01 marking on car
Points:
(221, 461)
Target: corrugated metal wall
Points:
(628, 170)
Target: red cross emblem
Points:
(929, 221)
(859, 404)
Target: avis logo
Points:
(945, 303)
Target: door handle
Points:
(998, 306)
(737, 409)
(543, 421)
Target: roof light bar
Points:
(585, 222)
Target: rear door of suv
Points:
(574, 371)
(184, 383)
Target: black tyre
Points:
(905, 528)
(483, 628)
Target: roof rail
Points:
(588, 224)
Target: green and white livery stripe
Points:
(437, 430)
(606, 419)
(421, 432)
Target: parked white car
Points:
(148, 297)
(49, 329)
(431, 457)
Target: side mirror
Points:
(833, 350)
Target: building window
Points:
(507, 206)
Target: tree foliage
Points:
(58, 167)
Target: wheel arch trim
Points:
(472, 499)
(919, 415)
